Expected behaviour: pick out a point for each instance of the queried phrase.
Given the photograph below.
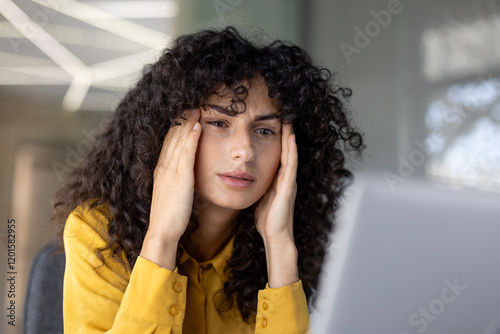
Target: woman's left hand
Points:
(274, 212)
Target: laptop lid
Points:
(416, 259)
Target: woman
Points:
(207, 203)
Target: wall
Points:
(32, 137)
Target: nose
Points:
(242, 148)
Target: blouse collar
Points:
(219, 261)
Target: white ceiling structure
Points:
(81, 54)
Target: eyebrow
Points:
(266, 117)
(256, 119)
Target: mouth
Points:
(236, 182)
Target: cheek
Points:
(208, 155)
(209, 146)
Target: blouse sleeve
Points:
(282, 310)
(107, 298)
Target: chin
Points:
(226, 201)
(234, 203)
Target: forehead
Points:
(257, 98)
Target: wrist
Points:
(161, 251)
(283, 241)
(283, 251)
(281, 258)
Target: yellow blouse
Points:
(152, 299)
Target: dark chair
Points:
(43, 312)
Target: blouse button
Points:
(264, 306)
(174, 310)
(205, 266)
(178, 287)
(263, 323)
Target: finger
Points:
(172, 141)
(188, 153)
(293, 157)
(182, 137)
(292, 162)
(174, 135)
(285, 133)
(290, 166)
(166, 153)
(171, 137)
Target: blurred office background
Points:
(425, 76)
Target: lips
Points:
(239, 175)
(237, 179)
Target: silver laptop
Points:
(417, 258)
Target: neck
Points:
(215, 229)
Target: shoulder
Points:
(89, 221)
(86, 244)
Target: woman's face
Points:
(230, 145)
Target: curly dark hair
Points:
(118, 170)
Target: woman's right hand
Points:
(173, 190)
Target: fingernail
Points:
(196, 126)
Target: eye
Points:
(217, 124)
(266, 132)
